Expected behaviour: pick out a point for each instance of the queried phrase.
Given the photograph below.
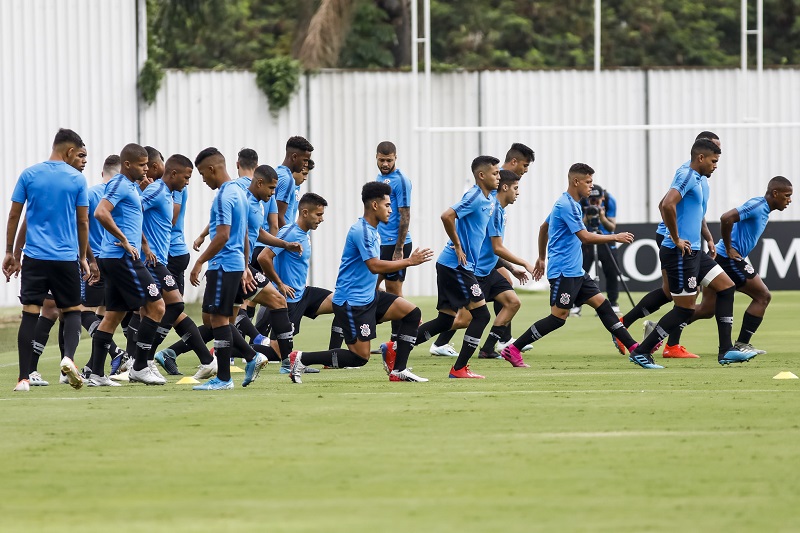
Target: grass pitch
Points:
(582, 441)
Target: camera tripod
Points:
(616, 268)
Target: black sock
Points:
(144, 341)
(472, 336)
(406, 336)
(495, 334)
(126, 320)
(131, 334)
(191, 337)
(506, 336)
(90, 321)
(442, 322)
(750, 325)
(445, 337)
(723, 310)
(27, 329)
(538, 330)
(250, 311)
(674, 337)
(245, 325)
(181, 347)
(652, 302)
(668, 323)
(41, 335)
(337, 335)
(395, 329)
(610, 320)
(240, 346)
(171, 314)
(339, 358)
(283, 329)
(72, 332)
(61, 337)
(262, 322)
(222, 349)
(271, 354)
(101, 341)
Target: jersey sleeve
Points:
(20, 193)
(226, 200)
(403, 192)
(496, 223)
(285, 190)
(149, 196)
(467, 204)
(367, 246)
(684, 182)
(272, 206)
(177, 197)
(83, 192)
(748, 209)
(572, 215)
(611, 206)
(116, 191)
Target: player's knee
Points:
(764, 297)
(413, 317)
(155, 310)
(481, 315)
(513, 304)
(173, 311)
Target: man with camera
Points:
(599, 216)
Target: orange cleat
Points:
(678, 352)
(464, 373)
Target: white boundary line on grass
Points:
(27, 398)
(574, 391)
(645, 433)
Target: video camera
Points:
(591, 207)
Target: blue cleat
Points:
(119, 356)
(285, 366)
(259, 339)
(735, 356)
(644, 361)
(166, 359)
(253, 367)
(215, 384)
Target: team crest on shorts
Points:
(169, 281)
(364, 330)
(475, 289)
(564, 298)
(152, 289)
(692, 282)
(748, 268)
(260, 278)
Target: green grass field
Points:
(582, 441)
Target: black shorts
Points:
(177, 264)
(254, 259)
(457, 287)
(307, 306)
(93, 295)
(261, 282)
(221, 290)
(359, 321)
(494, 284)
(62, 278)
(129, 284)
(683, 271)
(164, 279)
(387, 252)
(739, 271)
(571, 292)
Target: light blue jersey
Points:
(53, 191)
(124, 195)
(229, 208)
(287, 192)
(177, 241)
(255, 213)
(753, 218)
(662, 228)
(291, 266)
(269, 207)
(401, 197)
(355, 284)
(473, 212)
(96, 230)
(691, 209)
(496, 228)
(564, 252)
(157, 205)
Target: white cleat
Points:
(445, 350)
(35, 379)
(22, 386)
(207, 371)
(154, 370)
(120, 376)
(406, 375)
(144, 376)
(741, 346)
(101, 381)
(71, 372)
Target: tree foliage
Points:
(474, 34)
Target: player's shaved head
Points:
(266, 173)
(177, 161)
(483, 163)
(212, 154)
(132, 152)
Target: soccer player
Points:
(298, 152)
(395, 238)
(561, 237)
(128, 284)
(657, 298)
(288, 270)
(518, 160)
(465, 224)
(55, 247)
(494, 285)
(682, 210)
(179, 254)
(227, 255)
(741, 228)
(356, 302)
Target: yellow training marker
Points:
(785, 375)
(188, 380)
